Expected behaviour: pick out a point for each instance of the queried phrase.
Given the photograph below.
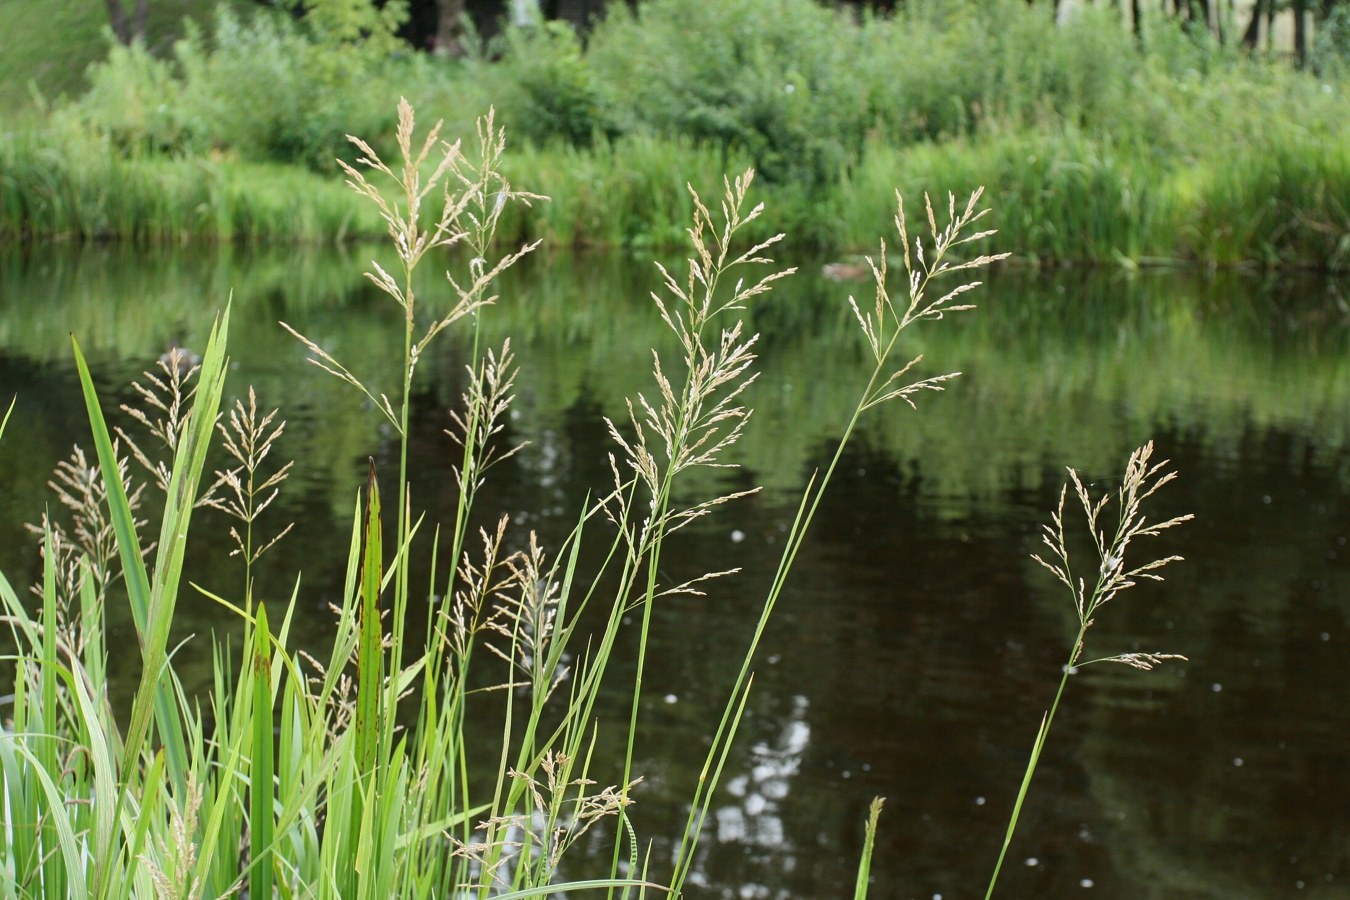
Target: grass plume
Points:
(1110, 575)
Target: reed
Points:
(1287, 204)
(627, 192)
(1060, 197)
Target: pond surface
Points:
(918, 645)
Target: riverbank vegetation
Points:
(1096, 145)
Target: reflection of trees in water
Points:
(750, 832)
(753, 818)
(1055, 368)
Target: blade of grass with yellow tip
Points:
(869, 841)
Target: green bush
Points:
(1093, 148)
(136, 100)
(267, 89)
(1005, 64)
(547, 88)
(774, 79)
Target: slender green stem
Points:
(1034, 759)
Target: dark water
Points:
(917, 645)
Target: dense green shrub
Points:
(271, 92)
(790, 85)
(136, 100)
(1000, 65)
(547, 89)
(1095, 144)
(267, 89)
(776, 80)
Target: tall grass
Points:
(1060, 196)
(64, 184)
(351, 772)
(1287, 205)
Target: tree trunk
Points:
(117, 17)
(126, 30)
(450, 27)
(1253, 32)
(1300, 31)
(142, 15)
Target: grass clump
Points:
(63, 183)
(353, 771)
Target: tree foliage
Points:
(351, 23)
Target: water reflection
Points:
(751, 819)
(917, 646)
